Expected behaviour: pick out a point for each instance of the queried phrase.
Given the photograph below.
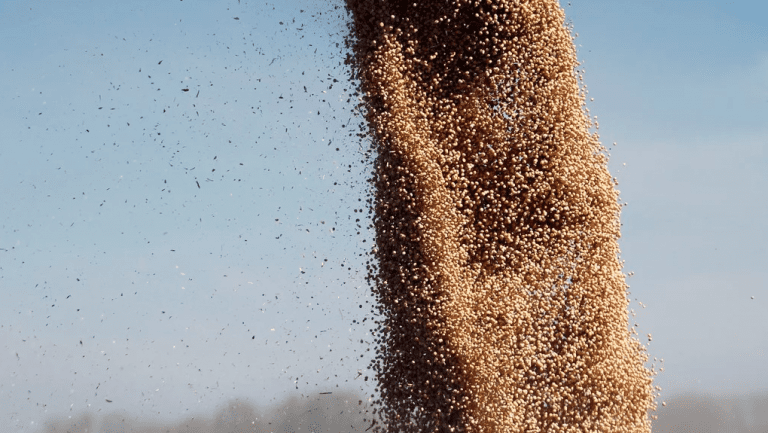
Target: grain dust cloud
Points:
(502, 301)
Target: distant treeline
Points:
(337, 412)
(705, 413)
(347, 412)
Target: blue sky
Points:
(185, 297)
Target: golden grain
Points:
(498, 279)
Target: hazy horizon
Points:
(346, 412)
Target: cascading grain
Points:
(500, 289)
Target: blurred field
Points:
(702, 413)
(345, 412)
(337, 412)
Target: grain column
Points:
(499, 282)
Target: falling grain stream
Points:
(499, 282)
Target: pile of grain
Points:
(499, 282)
